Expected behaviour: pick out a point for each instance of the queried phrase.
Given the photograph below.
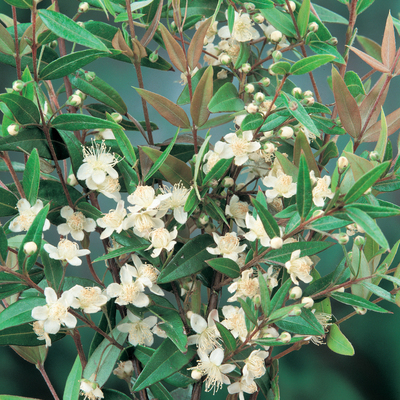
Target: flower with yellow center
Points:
(110, 187)
(257, 230)
(143, 222)
(161, 239)
(144, 198)
(145, 274)
(66, 251)
(254, 367)
(221, 151)
(241, 146)
(55, 312)
(235, 321)
(242, 30)
(113, 221)
(124, 370)
(76, 224)
(245, 286)
(299, 268)
(91, 389)
(241, 387)
(27, 214)
(321, 191)
(89, 299)
(176, 201)
(283, 186)
(238, 210)
(228, 246)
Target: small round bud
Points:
(79, 93)
(285, 337)
(332, 41)
(359, 241)
(213, 183)
(268, 134)
(83, 7)
(246, 68)
(340, 290)
(259, 97)
(249, 88)
(296, 92)
(153, 57)
(117, 117)
(228, 182)
(53, 44)
(225, 59)
(81, 24)
(249, 7)
(30, 248)
(258, 19)
(74, 100)
(295, 312)
(295, 293)
(90, 76)
(313, 27)
(173, 26)
(204, 218)
(210, 228)
(276, 55)
(342, 238)
(193, 159)
(286, 132)
(308, 301)
(71, 180)
(373, 155)
(293, 105)
(265, 81)
(360, 310)
(276, 243)
(308, 101)
(269, 147)
(196, 374)
(292, 5)
(251, 108)
(18, 85)
(276, 36)
(223, 74)
(189, 314)
(318, 213)
(13, 129)
(308, 93)
(343, 162)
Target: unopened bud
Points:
(343, 162)
(240, 186)
(153, 57)
(296, 92)
(259, 97)
(286, 132)
(308, 101)
(332, 41)
(343, 238)
(53, 44)
(295, 293)
(193, 159)
(71, 180)
(196, 374)
(83, 7)
(246, 68)
(18, 85)
(359, 241)
(265, 81)
(189, 314)
(373, 155)
(213, 183)
(80, 94)
(308, 301)
(225, 59)
(81, 24)
(276, 36)
(276, 243)
(13, 129)
(276, 55)
(74, 100)
(203, 219)
(249, 7)
(285, 337)
(308, 93)
(295, 312)
(30, 248)
(228, 182)
(313, 27)
(251, 108)
(249, 88)
(89, 76)
(117, 117)
(360, 310)
(293, 105)
(258, 19)
(173, 26)
(292, 6)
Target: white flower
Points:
(128, 291)
(211, 366)
(207, 334)
(89, 299)
(113, 221)
(282, 185)
(299, 267)
(139, 329)
(235, 321)
(55, 312)
(90, 389)
(143, 222)
(110, 187)
(238, 210)
(66, 251)
(104, 134)
(124, 370)
(221, 150)
(97, 163)
(146, 274)
(241, 387)
(27, 215)
(227, 246)
(38, 328)
(176, 201)
(245, 286)
(242, 146)
(161, 238)
(209, 51)
(144, 197)
(257, 230)
(76, 224)
(321, 190)
(211, 31)
(242, 29)
(254, 365)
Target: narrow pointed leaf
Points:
(380, 147)
(371, 61)
(167, 109)
(370, 47)
(227, 337)
(249, 312)
(388, 44)
(226, 266)
(310, 63)
(346, 105)
(30, 181)
(124, 144)
(72, 386)
(53, 270)
(357, 301)
(8, 203)
(304, 324)
(23, 110)
(379, 292)
(175, 52)
(269, 223)
(196, 44)
(338, 343)
(304, 190)
(218, 170)
(393, 125)
(264, 294)
(7, 45)
(226, 100)
(76, 122)
(201, 97)
(279, 297)
(303, 17)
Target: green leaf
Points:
(225, 266)
(362, 5)
(276, 341)
(304, 191)
(227, 337)
(8, 203)
(379, 292)
(20, 4)
(251, 122)
(218, 170)
(354, 83)
(217, 121)
(279, 297)
(99, 90)
(70, 63)
(324, 48)
(121, 251)
(269, 223)
(264, 293)
(66, 28)
(76, 122)
(112, 394)
(304, 324)
(129, 176)
(338, 343)
(124, 144)
(165, 361)
(30, 181)
(189, 260)
(310, 63)
(71, 390)
(244, 54)
(3, 246)
(303, 17)
(226, 100)
(356, 301)
(20, 312)
(368, 180)
(281, 21)
(280, 68)
(23, 110)
(52, 269)
(328, 223)
(329, 16)
(7, 45)
(249, 312)
(281, 313)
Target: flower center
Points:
(228, 243)
(239, 147)
(76, 221)
(87, 297)
(25, 219)
(149, 272)
(283, 183)
(57, 311)
(160, 237)
(141, 332)
(67, 249)
(248, 287)
(129, 293)
(256, 365)
(239, 209)
(113, 219)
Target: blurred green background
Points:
(314, 373)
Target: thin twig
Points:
(40, 367)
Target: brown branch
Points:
(180, 309)
(40, 367)
(78, 344)
(4, 155)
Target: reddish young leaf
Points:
(346, 105)
(196, 45)
(174, 50)
(201, 97)
(169, 110)
(370, 47)
(370, 60)
(393, 125)
(151, 30)
(301, 145)
(388, 51)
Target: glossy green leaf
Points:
(76, 122)
(310, 63)
(52, 269)
(68, 64)
(324, 48)
(20, 312)
(304, 189)
(226, 100)
(124, 144)
(189, 260)
(328, 223)
(201, 97)
(20, 4)
(218, 170)
(269, 223)
(166, 360)
(3, 246)
(68, 29)
(281, 313)
(251, 122)
(22, 110)
(226, 266)
(354, 83)
(99, 90)
(280, 68)
(248, 311)
(338, 343)
(357, 301)
(244, 54)
(129, 176)
(301, 145)
(227, 337)
(121, 251)
(378, 291)
(264, 294)
(303, 17)
(276, 342)
(8, 203)
(281, 21)
(30, 181)
(304, 324)
(329, 16)
(279, 297)
(72, 386)
(362, 5)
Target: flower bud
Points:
(292, 5)
(276, 243)
(295, 293)
(153, 57)
(53, 44)
(308, 93)
(268, 134)
(223, 74)
(213, 183)
(18, 85)
(359, 241)
(276, 36)
(71, 180)
(249, 88)
(74, 100)
(225, 59)
(308, 101)
(89, 76)
(13, 129)
(196, 374)
(189, 314)
(296, 92)
(30, 248)
(342, 238)
(343, 162)
(228, 182)
(295, 312)
(249, 7)
(246, 68)
(251, 108)
(258, 19)
(373, 155)
(285, 337)
(276, 55)
(360, 310)
(293, 106)
(265, 82)
(308, 301)
(81, 24)
(117, 117)
(313, 27)
(83, 7)
(239, 186)
(286, 132)
(204, 218)
(332, 41)
(259, 97)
